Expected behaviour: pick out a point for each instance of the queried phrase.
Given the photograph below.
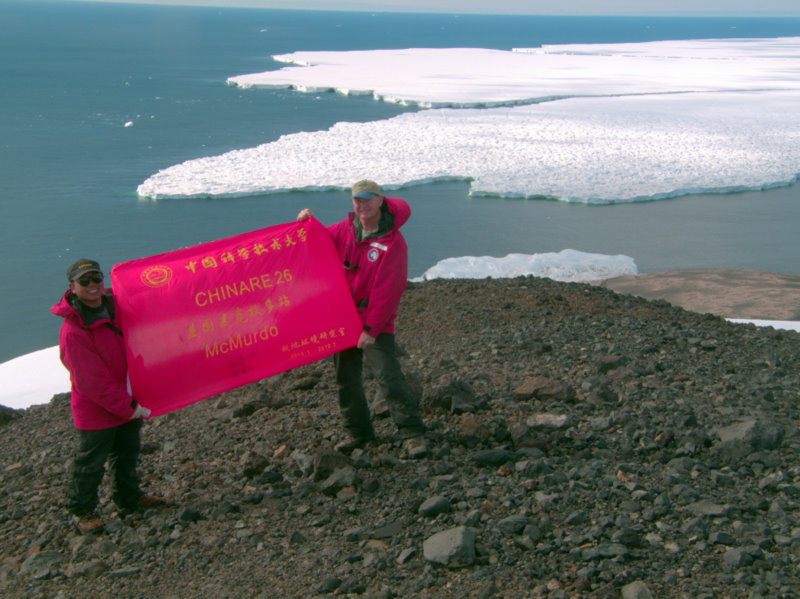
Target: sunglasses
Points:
(85, 280)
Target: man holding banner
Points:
(108, 419)
(374, 255)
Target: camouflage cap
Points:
(80, 267)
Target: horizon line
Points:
(255, 4)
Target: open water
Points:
(73, 74)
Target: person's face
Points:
(89, 288)
(368, 210)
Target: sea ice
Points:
(578, 123)
(566, 265)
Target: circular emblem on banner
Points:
(372, 255)
(156, 276)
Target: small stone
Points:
(454, 548)
(708, 508)
(124, 572)
(189, 514)
(513, 525)
(736, 558)
(542, 387)
(340, 479)
(433, 506)
(493, 457)
(720, 538)
(329, 585)
(636, 590)
(304, 462)
(43, 564)
(548, 421)
(406, 555)
(93, 567)
(327, 462)
(388, 531)
(253, 463)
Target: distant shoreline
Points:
(750, 294)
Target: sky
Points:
(762, 8)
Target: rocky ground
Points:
(583, 443)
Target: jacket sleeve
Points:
(387, 288)
(338, 232)
(91, 376)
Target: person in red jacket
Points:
(374, 257)
(106, 417)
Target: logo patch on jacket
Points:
(372, 255)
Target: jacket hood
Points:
(399, 209)
(63, 308)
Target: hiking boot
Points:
(415, 447)
(142, 503)
(88, 523)
(350, 444)
(146, 501)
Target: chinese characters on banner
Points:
(205, 319)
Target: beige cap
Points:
(366, 189)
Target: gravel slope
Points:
(582, 443)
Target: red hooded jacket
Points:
(98, 370)
(376, 268)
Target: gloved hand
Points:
(140, 412)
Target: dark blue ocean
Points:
(72, 74)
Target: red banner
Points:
(205, 319)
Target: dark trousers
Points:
(120, 445)
(382, 356)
